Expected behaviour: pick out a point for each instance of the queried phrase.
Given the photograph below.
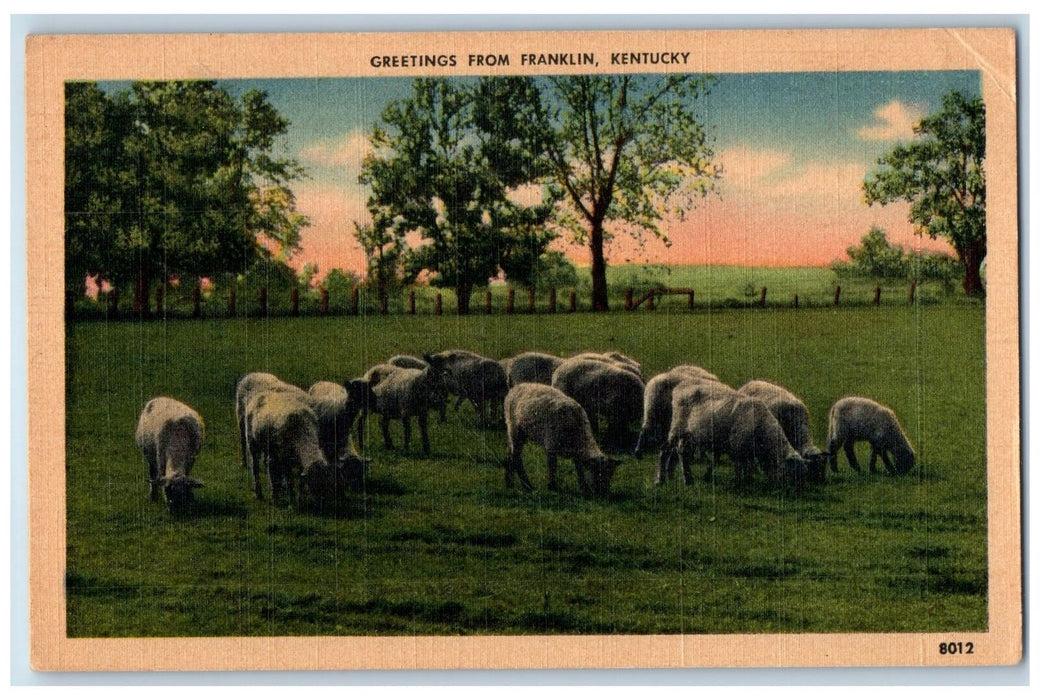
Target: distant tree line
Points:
(877, 258)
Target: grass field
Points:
(440, 546)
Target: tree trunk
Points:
(141, 308)
(599, 269)
(463, 293)
(971, 257)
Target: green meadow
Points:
(440, 546)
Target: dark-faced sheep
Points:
(469, 376)
(855, 418)
(549, 418)
(793, 416)
(170, 435)
(530, 367)
(337, 407)
(283, 436)
(657, 403)
(413, 362)
(738, 426)
(603, 389)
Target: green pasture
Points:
(439, 546)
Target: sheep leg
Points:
(583, 480)
(152, 461)
(888, 462)
(684, 461)
(873, 460)
(662, 465)
(406, 422)
(242, 438)
(384, 425)
(361, 430)
(832, 455)
(255, 457)
(424, 433)
(550, 467)
(850, 453)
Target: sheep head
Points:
(179, 490)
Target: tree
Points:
(184, 176)
(447, 163)
(941, 175)
(385, 248)
(625, 150)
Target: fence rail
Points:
(261, 303)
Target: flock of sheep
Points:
(567, 406)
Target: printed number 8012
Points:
(957, 648)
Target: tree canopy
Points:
(941, 174)
(173, 178)
(447, 163)
(625, 151)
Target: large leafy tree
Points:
(449, 162)
(625, 151)
(173, 178)
(941, 174)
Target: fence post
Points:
(796, 301)
(530, 300)
(196, 301)
(552, 300)
(762, 298)
(913, 290)
(689, 301)
(263, 301)
(411, 302)
(487, 301)
(323, 302)
(438, 304)
(877, 296)
(384, 303)
(837, 294)
(113, 302)
(355, 307)
(231, 301)
(574, 301)
(510, 300)
(628, 299)
(650, 301)
(294, 301)
(160, 293)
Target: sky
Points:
(794, 147)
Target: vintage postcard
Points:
(521, 350)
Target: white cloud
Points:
(892, 122)
(756, 176)
(346, 152)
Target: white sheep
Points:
(793, 416)
(612, 357)
(403, 394)
(336, 407)
(603, 389)
(479, 379)
(735, 425)
(657, 403)
(413, 362)
(282, 432)
(549, 418)
(169, 434)
(534, 367)
(855, 418)
(248, 386)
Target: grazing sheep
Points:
(470, 376)
(739, 426)
(248, 386)
(657, 403)
(413, 362)
(856, 418)
(170, 435)
(405, 393)
(283, 435)
(336, 407)
(547, 417)
(603, 389)
(613, 358)
(534, 367)
(794, 419)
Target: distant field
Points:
(715, 286)
(440, 546)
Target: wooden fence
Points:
(548, 303)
